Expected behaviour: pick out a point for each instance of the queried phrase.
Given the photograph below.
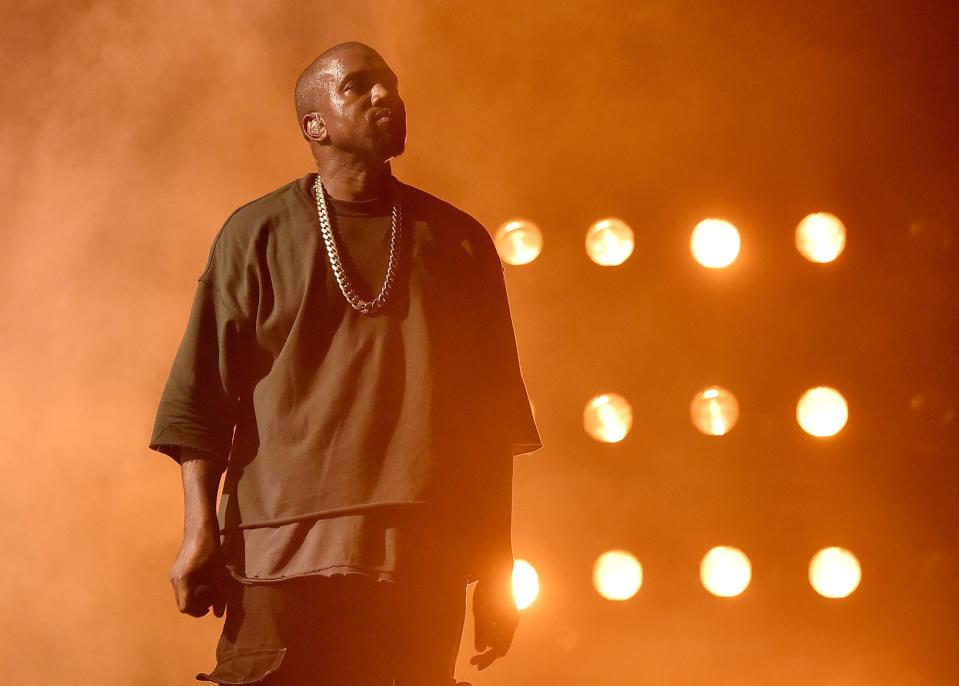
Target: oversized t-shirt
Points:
(318, 410)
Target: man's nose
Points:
(380, 93)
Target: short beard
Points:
(394, 150)
(390, 144)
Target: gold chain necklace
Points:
(346, 287)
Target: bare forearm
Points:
(201, 480)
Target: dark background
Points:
(130, 131)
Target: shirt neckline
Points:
(372, 207)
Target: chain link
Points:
(346, 287)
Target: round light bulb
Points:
(822, 411)
(518, 241)
(715, 243)
(525, 584)
(820, 237)
(608, 417)
(725, 571)
(714, 411)
(617, 575)
(834, 572)
(609, 242)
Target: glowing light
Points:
(609, 242)
(608, 417)
(518, 241)
(617, 575)
(820, 237)
(525, 584)
(715, 243)
(714, 411)
(822, 411)
(834, 572)
(725, 571)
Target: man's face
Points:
(362, 108)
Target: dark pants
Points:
(319, 631)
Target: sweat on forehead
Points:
(313, 75)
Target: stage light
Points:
(834, 572)
(608, 417)
(820, 237)
(725, 571)
(822, 411)
(518, 241)
(715, 243)
(609, 242)
(714, 411)
(525, 584)
(617, 575)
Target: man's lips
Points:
(384, 115)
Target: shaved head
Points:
(310, 86)
(348, 105)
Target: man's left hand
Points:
(495, 619)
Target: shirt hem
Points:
(377, 574)
(525, 448)
(280, 521)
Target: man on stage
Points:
(350, 363)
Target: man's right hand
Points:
(198, 576)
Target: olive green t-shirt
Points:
(318, 410)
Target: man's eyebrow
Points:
(367, 72)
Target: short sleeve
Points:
(199, 404)
(506, 394)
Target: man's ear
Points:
(314, 129)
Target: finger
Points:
(176, 594)
(204, 595)
(199, 611)
(484, 660)
(219, 605)
(182, 593)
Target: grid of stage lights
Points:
(821, 412)
(713, 242)
(724, 572)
